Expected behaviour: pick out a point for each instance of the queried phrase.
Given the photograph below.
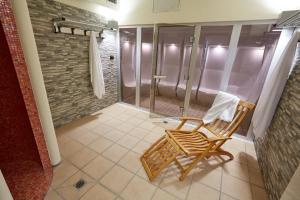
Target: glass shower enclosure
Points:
(175, 70)
(170, 71)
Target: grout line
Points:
(221, 183)
(58, 194)
(189, 189)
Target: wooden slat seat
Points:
(187, 148)
(192, 143)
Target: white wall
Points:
(134, 12)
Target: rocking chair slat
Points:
(187, 148)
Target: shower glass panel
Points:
(146, 66)
(255, 50)
(254, 54)
(173, 58)
(127, 62)
(211, 57)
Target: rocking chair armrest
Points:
(185, 119)
(191, 119)
(175, 130)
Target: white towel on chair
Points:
(96, 67)
(224, 107)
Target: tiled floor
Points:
(104, 149)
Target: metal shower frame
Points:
(232, 50)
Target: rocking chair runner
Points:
(187, 148)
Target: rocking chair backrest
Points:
(226, 129)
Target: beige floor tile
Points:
(252, 162)
(237, 170)
(70, 148)
(131, 161)
(86, 137)
(82, 157)
(98, 167)
(235, 143)
(236, 188)
(259, 193)
(71, 128)
(213, 163)
(101, 129)
(117, 107)
(135, 121)
(62, 172)
(112, 111)
(74, 132)
(159, 129)
(147, 125)
(100, 144)
(250, 149)
(113, 122)
(52, 195)
(131, 112)
(95, 121)
(142, 115)
(125, 127)
(128, 141)
(256, 178)
(251, 152)
(115, 152)
(162, 195)
(68, 190)
(170, 182)
(98, 192)
(122, 117)
(141, 173)
(101, 118)
(200, 191)
(239, 156)
(116, 179)
(139, 132)
(114, 135)
(249, 146)
(210, 177)
(226, 197)
(62, 139)
(152, 137)
(141, 147)
(138, 189)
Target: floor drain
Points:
(165, 122)
(79, 184)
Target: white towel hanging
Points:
(96, 71)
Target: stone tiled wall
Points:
(279, 151)
(64, 60)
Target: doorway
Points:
(171, 64)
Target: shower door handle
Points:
(159, 76)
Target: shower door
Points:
(171, 61)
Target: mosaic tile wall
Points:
(64, 60)
(279, 152)
(24, 158)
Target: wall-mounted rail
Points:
(69, 26)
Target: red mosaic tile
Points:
(24, 159)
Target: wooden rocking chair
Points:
(187, 148)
